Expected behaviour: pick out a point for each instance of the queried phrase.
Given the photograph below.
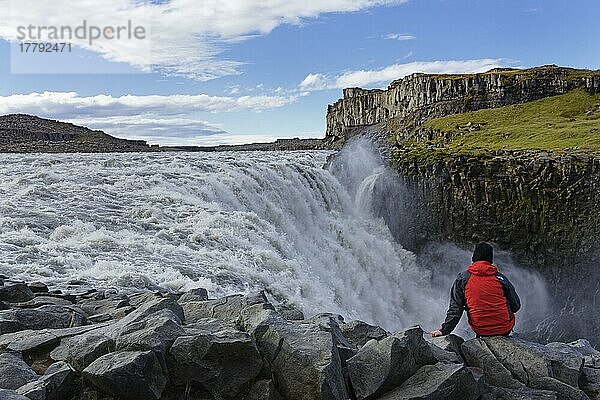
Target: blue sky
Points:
(233, 71)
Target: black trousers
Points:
(504, 334)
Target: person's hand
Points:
(437, 333)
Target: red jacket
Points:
(488, 297)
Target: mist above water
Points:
(230, 222)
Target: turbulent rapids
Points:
(228, 222)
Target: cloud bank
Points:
(370, 78)
(172, 119)
(186, 37)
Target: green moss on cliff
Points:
(571, 120)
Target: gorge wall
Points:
(420, 96)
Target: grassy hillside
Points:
(571, 120)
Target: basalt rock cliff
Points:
(421, 96)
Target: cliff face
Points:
(421, 96)
(542, 206)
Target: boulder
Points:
(290, 312)
(380, 366)
(437, 382)
(228, 308)
(59, 382)
(563, 390)
(197, 294)
(10, 326)
(80, 351)
(146, 309)
(478, 354)
(46, 317)
(589, 382)
(38, 301)
(303, 356)
(222, 361)
(263, 390)
(442, 355)
(117, 306)
(41, 342)
(38, 287)
(529, 361)
(525, 393)
(359, 333)
(156, 332)
(591, 356)
(132, 375)
(450, 342)
(6, 394)
(16, 293)
(14, 372)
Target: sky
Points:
(207, 72)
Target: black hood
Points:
(483, 252)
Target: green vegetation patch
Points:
(567, 121)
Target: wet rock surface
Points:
(167, 346)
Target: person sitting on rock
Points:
(488, 297)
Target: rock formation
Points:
(162, 345)
(420, 96)
(29, 134)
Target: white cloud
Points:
(399, 36)
(72, 105)
(369, 78)
(159, 119)
(187, 37)
(151, 128)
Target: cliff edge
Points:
(421, 96)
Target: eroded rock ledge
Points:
(421, 96)
(108, 344)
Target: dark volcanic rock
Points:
(530, 361)
(263, 390)
(81, 350)
(155, 332)
(359, 333)
(38, 287)
(197, 294)
(14, 372)
(11, 395)
(223, 361)
(16, 293)
(59, 382)
(478, 354)
(439, 381)
(227, 309)
(48, 316)
(518, 394)
(380, 366)
(248, 350)
(303, 357)
(132, 375)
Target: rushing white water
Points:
(229, 222)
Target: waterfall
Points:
(229, 222)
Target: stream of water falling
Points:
(229, 222)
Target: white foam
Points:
(229, 222)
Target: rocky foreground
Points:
(110, 344)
